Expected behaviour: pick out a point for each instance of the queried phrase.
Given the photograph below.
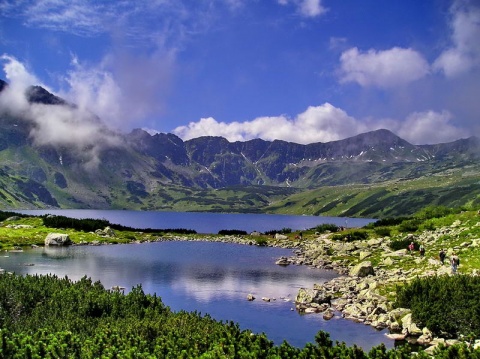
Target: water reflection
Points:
(212, 278)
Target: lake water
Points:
(205, 222)
(213, 278)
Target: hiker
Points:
(422, 250)
(454, 262)
(411, 247)
(442, 256)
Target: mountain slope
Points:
(40, 168)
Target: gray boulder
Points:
(362, 269)
(57, 239)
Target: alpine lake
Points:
(208, 277)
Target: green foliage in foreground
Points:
(444, 304)
(49, 317)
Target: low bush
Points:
(403, 244)
(326, 227)
(49, 317)
(356, 235)
(281, 231)
(383, 231)
(444, 304)
(231, 232)
(410, 226)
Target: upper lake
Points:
(205, 222)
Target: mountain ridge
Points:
(143, 171)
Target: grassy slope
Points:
(390, 199)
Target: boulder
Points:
(250, 297)
(308, 296)
(410, 326)
(280, 236)
(364, 254)
(282, 261)
(57, 239)
(362, 269)
(328, 314)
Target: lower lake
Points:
(211, 278)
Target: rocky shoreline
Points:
(357, 295)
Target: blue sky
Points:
(297, 70)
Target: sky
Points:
(301, 71)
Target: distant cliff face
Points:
(138, 167)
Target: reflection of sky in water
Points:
(212, 278)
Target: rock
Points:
(266, 299)
(395, 336)
(117, 288)
(250, 297)
(364, 255)
(410, 326)
(328, 314)
(280, 236)
(305, 296)
(362, 269)
(109, 232)
(387, 261)
(283, 261)
(106, 232)
(308, 296)
(398, 313)
(13, 218)
(57, 239)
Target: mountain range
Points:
(162, 172)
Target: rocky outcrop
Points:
(58, 239)
(355, 293)
(106, 232)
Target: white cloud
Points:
(327, 123)
(464, 54)
(306, 8)
(20, 78)
(58, 125)
(123, 88)
(317, 124)
(386, 69)
(429, 127)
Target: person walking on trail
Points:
(422, 250)
(442, 256)
(411, 247)
(454, 262)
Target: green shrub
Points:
(410, 225)
(281, 231)
(403, 244)
(230, 232)
(261, 241)
(326, 227)
(88, 321)
(444, 304)
(389, 221)
(383, 231)
(434, 212)
(356, 235)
